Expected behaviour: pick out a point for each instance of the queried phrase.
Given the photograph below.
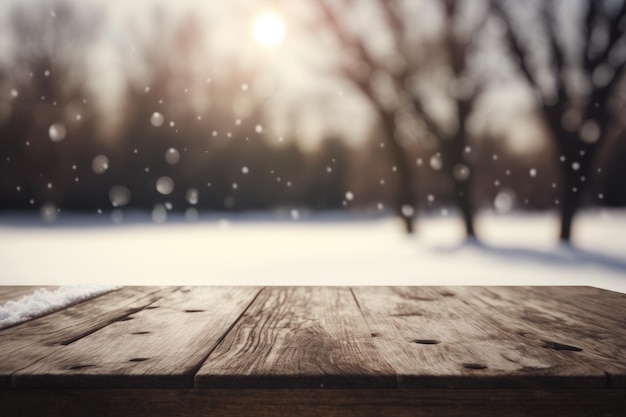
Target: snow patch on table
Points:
(43, 302)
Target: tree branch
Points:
(614, 34)
(431, 124)
(590, 17)
(516, 46)
(550, 22)
(596, 106)
(345, 37)
(394, 21)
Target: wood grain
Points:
(312, 403)
(450, 351)
(295, 338)
(160, 346)
(533, 314)
(27, 343)
(435, 340)
(605, 308)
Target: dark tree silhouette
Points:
(451, 50)
(358, 69)
(455, 46)
(581, 120)
(49, 77)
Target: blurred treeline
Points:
(210, 133)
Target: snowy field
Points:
(322, 250)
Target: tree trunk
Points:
(569, 204)
(455, 165)
(574, 182)
(409, 224)
(464, 203)
(405, 192)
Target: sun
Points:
(268, 29)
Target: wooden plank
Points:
(543, 322)
(605, 307)
(312, 403)
(161, 346)
(304, 337)
(435, 340)
(15, 293)
(27, 343)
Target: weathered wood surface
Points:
(433, 339)
(339, 351)
(28, 343)
(15, 293)
(162, 345)
(604, 308)
(298, 337)
(579, 335)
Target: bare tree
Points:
(52, 115)
(582, 106)
(357, 68)
(451, 50)
(463, 88)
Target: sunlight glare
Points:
(268, 29)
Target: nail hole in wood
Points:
(416, 297)
(140, 332)
(426, 341)
(78, 367)
(560, 346)
(138, 359)
(194, 311)
(474, 366)
(375, 334)
(413, 314)
(448, 294)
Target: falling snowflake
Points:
(172, 156)
(435, 162)
(119, 195)
(192, 196)
(165, 185)
(407, 210)
(100, 164)
(157, 119)
(461, 172)
(49, 212)
(57, 132)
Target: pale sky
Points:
(295, 74)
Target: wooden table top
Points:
(496, 339)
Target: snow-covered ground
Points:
(516, 249)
